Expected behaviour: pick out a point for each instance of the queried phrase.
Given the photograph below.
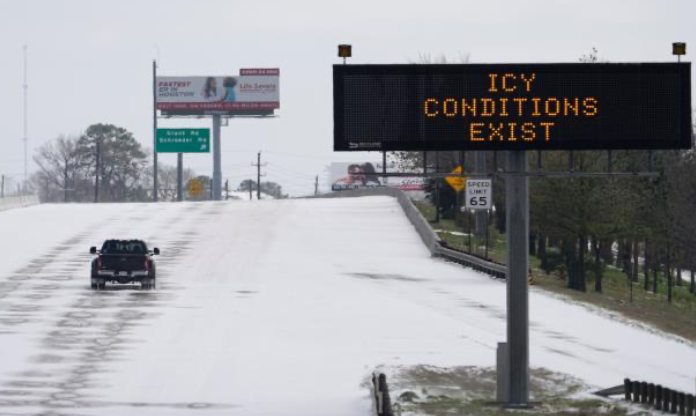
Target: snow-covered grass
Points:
(272, 308)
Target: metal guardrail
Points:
(499, 271)
(655, 396)
(660, 398)
(430, 238)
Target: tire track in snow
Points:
(96, 325)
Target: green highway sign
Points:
(183, 141)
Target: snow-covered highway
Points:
(268, 308)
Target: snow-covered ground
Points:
(276, 307)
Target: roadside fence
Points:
(18, 201)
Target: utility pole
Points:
(26, 117)
(258, 175)
(227, 189)
(316, 185)
(97, 169)
(154, 127)
(65, 186)
(2, 187)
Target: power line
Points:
(290, 171)
(297, 155)
(284, 181)
(258, 174)
(273, 172)
(290, 175)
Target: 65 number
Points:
(476, 201)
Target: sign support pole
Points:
(217, 160)
(517, 207)
(179, 177)
(154, 129)
(437, 188)
(480, 167)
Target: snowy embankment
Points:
(268, 308)
(19, 201)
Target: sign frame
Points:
(382, 107)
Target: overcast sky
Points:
(90, 61)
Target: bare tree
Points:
(61, 168)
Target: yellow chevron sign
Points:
(456, 183)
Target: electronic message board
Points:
(512, 107)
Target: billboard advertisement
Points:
(365, 175)
(252, 91)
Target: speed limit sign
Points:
(479, 193)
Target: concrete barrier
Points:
(19, 201)
(425, 231)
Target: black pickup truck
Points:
(124, 261)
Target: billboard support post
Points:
(517, 212)
(179, 177)
(154, 129)
(217, 160)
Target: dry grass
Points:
(428, 390)
(677, 317)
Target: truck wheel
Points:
(150, 282)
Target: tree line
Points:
(107, 164)
(579, 226)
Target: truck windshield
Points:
(123, 247)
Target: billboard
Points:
(347, 176)
(512, 107)
(253, 91)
